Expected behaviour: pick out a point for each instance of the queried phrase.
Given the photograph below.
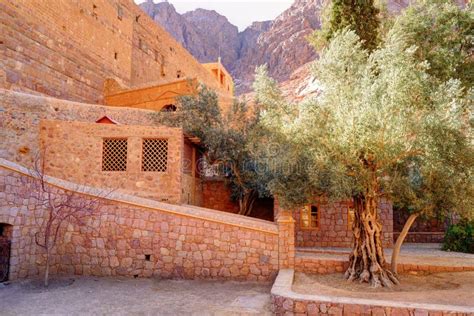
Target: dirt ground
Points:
(120, 296)
(450, 288)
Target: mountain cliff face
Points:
(204, 33)
(280, 43)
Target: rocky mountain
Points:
(204, 33)
(280, 43)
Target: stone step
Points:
(331, 251)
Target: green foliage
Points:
(460, 237)
(444, 35)
(225, 137)
(383, 124)
(361, 16)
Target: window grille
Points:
(114, 154)
(155, 155)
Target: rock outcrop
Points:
(280, 43)
(283, 47)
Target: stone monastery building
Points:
(80, 81)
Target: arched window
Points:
(169, 108)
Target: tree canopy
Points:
(383, 126)
(361, 16)
(225, 137)
(444, 35)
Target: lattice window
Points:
(114, 154)
(155, 155)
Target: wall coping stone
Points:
(182, 210)
(283, 287)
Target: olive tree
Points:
(443, 33)
(225, 136)
(377, 113)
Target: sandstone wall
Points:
(20, 116)
(423, 230)
(156, 97)
(334, 229)
(132, 236)
(74, 151)
(67, 48)
(217, 195)
(153, 97)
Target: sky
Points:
(239, 12)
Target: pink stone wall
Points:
(334, 229)
(73, 151)
(138, 238)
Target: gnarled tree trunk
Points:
(367, 261)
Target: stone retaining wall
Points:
(319, 266)
(286, 302)
(133, 236)
(421, 237)
(313, 264)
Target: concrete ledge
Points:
(285, 300)
(183, 210)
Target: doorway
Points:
(5, 246)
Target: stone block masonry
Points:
(334, 227)
(132, 236)
(217, 195)
(74, 151)
(287, 302)
(21, 114)
(67, 49)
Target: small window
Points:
(114, 154)
(310, 217)
(137, 18)
(115, 55)
(119, 12)
(179, 73)
(155, 155)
